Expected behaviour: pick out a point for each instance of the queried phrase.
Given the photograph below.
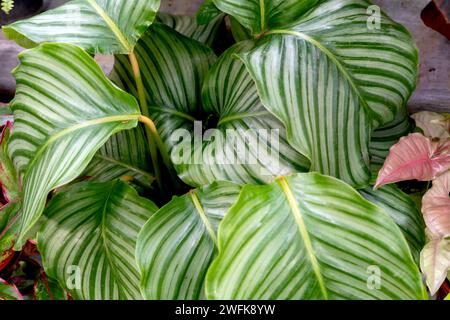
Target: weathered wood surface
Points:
(433, 90)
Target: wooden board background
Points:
(433, 90)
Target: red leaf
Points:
(415, 157)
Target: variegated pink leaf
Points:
(415, 157)
(436, 207)
(435, 263)
(433, 125)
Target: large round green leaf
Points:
(332, 77)
(65, 109)
(239, 147)
(88, 240)
(178, 243)
(99, 26)
(310, 236)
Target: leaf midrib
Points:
(104, 237)
(112, 25)
(202, 214)
(336, 61)
(125, 165)
(66, 131)
(283, 183)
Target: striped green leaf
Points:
(9, 214)
(10, 187)
(65, 109)
(385, 137)
(188, 26)
(88, 240)
(322, 114)
(238, 31)
(99, 26)
(310, 236)
(403, 211)
(6, 114)
(330, 81)
(178, 243)
(125, 154)
(261, 15)
(207, 12)
(181, 91)
(9, 180)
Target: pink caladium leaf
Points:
(433, 125)
(415, 157)
(435, 262)
(436, 207)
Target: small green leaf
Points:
(7, 6)
(178, 243)
(207, 12)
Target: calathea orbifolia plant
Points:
(282, 223)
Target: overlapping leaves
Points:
(310, 237)
(89, 238)
(316, 75)
(326, 77)
(181, 91)
(58, 126)
(178, 243)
